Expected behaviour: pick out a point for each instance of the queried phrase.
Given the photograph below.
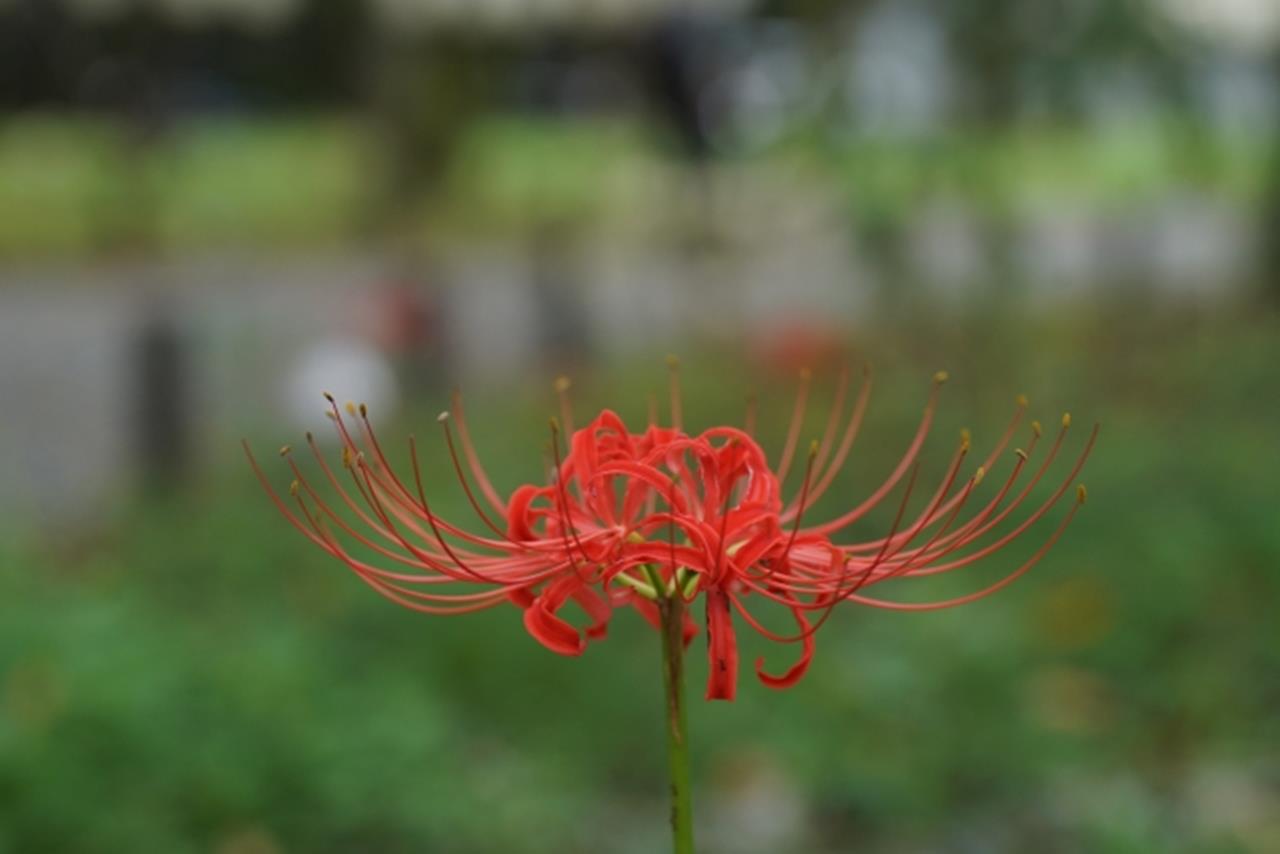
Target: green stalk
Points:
(671, 608)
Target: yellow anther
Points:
(562, 384)
(443, 416)
(284, 450)
(1036, 428)
(806, 373)
(1066, 419)
(351, 408)
(1021, 453)
(979, 475)
(635, 537)
(293, 488)
(1081, 493)
(346, 456)
(941, 377)
(965, 435)
(328, 413)
(673, 361)
(1022, 400)
(813, 447)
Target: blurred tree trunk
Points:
(130, 83)
(162, 422)
(423, 93)
(989, 56)
(1271, 213)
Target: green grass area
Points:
(192, 676)
(512, 174)
(272, 184)
(1007, 174)
(76, 187)
(80, 186)
(52, 176)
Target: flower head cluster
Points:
(626, 519)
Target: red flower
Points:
(627, 517)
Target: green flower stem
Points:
(671, 609)
(645, 590)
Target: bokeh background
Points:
(211, 210)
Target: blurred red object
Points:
(798, 344)
(401, 319)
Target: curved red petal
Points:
(552, 632)
(722, 648)
(519, 520)
(797, 670)
(597, 608)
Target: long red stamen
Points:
(473, 459)
(457, 560)
(346, 527)
(1004, 439)
(980, 525)
(443, 419)
(797, 421)
(987, 591)
(828, 597)
(931, 510)
(908, 458)
(804, 494)
(1026, 524)
(847, 440)
(365, 571)
(563, 503)
(833, 417)
(982, 515)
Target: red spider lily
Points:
(628, 518)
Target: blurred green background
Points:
(211, 211)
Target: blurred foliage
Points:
(72, 186)
(1004, 174)
(288, 183)
(51, 172)
(192, 676)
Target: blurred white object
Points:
(947, 248)
(1249, 25)
(900, 72)
(756, 808)
(1199, 245)
(64, 441)
(348, 369)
